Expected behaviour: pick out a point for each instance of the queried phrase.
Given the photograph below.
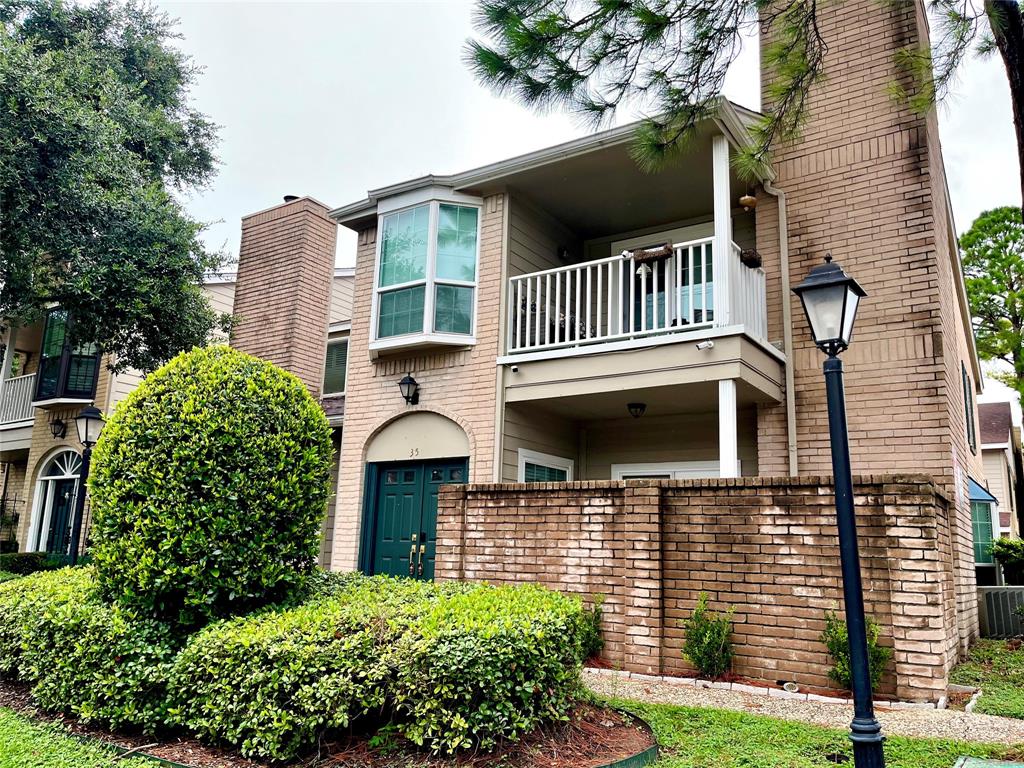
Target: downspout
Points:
(787, 325)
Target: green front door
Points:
(404, 514)
(58, 538)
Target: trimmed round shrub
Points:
(208, 487)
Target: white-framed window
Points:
(425, 284)
(537, 467)
(669, 470)
(336, 367)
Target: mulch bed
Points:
(593, 736)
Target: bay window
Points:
(426, 274)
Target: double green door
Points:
(404, 515)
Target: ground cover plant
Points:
(691, 737)
(997, 667)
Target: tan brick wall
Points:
(766, 546)
(283, 290)
(460, 385)
(865, 182)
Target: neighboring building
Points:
(1001, 455)
(44, 383)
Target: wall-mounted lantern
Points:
(410, 389)
(636, 410)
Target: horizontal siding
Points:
(535, 239)
(535, 430)
(341, 299)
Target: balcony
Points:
(636, 299)
(16, 401)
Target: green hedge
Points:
(450, 666)
(489, 664)
(208, 487)
(7, 576)
(24, 563)
(83, 656)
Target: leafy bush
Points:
(592, 641)
(208, 487)
(489, 664)
(24, 563)
(1008, 551)
(83, 656)
(708, 645)
(271, 683)
(837, 641)
(7, 576)
(24, 599)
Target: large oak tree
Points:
(97, 137)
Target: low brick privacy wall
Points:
(767, 546)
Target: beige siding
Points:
(341, 298)
(535, 430)
(662, 439)
(536, 239)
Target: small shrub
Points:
(24, 563)
(6, 576)
(489, 664)
(101, 663)
(208, 487)
(708, 645)
(271, 683)
(1010, 554)
(837, 641)
(592, 641)
(25, 598)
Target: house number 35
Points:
(414, 452)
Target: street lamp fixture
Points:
(830, 299)
(410, 389)
(89, 423)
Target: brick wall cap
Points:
(305, 200)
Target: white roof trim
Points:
(344, 271)
(727, 119)
(994, 446)
(339, 327)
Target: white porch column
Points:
(728, 449)
(723, 227)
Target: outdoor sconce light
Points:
(830, 298)
(636, 410)
(58, 428)
(410, 389)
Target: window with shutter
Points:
(336, 368)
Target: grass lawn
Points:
(698, 738)
(999, 672)
(25, 744)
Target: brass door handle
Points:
(423, 551)
(412, 560)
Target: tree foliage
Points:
(96, 136)
(993, 260)
(670, 57)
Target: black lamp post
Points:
(830, 298)
(89, 423)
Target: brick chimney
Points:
(283, 290)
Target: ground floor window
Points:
(536, 467)
(981, 521)
(672, 470)
(56, 488)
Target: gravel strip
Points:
(928, 723)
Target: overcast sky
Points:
(333, 99)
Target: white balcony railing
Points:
(635, 295)
(16, 398)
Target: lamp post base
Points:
(866, 735)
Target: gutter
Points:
(787, 326)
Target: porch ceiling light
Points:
(58, 428)
(90, 423)
(830, 298)
(636, 410)
(410, 389)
